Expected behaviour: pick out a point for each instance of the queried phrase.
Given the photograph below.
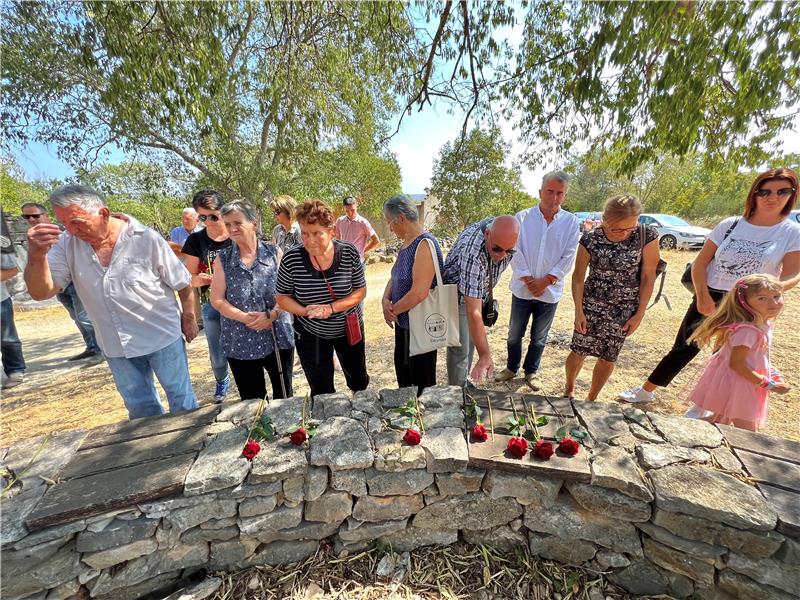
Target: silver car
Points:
(674, 232)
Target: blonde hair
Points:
(285, 204)
(733, 309)
(621, 207)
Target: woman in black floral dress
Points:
(610, 303)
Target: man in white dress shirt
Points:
(126, 275)
(548, 241)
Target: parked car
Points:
(795, 215)
(594, 218)
(674, 232)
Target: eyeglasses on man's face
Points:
(35, 216)
(212, 218)
(781, 193)
(500, 250)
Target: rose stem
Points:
(491, 417)
(259, 408)
(419, 415)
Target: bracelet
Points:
(332, 311)
(765, 382)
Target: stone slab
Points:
(761, 443)
(126, 431)
(405, 483)
(471, 511)
(341, 443)
(541, 491)
(603, 420)
(390, 508)
(358, 531)
(773, 471)
(96, 494)
(655, 456)
(393, 454)
(688, 433)
(711, 494)
(613, 467)
(353, 481)
(412, 538)
(123, 454)
(445, 450)
(697, 569)
(394, 398)
(767, 571)
(543, 405)
(49, 453)
(609, 502)
(15, 511)
(693, 547)
(219, 465)
(547, 431)
(493, 455)
(787, 505)
(117, 533)
(457, 484)
(278, 460)
(566, 551)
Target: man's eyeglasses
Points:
(204, 218)
(36, 216)
(781, 193)
(499, 250)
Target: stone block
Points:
(726, 459)
(293, 489)
(197, 591)
(161, 508)
(745, 588)
(502, 538)
(443, 396)
(394, 455)
(371, 508)
(118, 533)
(332, 405)
(566, 519)
(224, 554)
(219, 523)
(642, 578)
(113, 556)
(367, 402)
(392, 398)
(331, 506)
(404, 483)
(160, 585)
(15, 510)
(64, 591)
(258, 505)
(458, 484)
(789, 552)
(655, 456)
(609, 502)
(471, 511)
(767, 571)
(50, 454)
(191, 516)
(642, 433)
(445, 416)
(281, 553)
(18, 562)
(341, 444)
(604, 420)
(219, 465)
(563, 550)
(248, 490)
(62, 532)
(197, 535)
(282, 460)
(354, 482)
(757, 544)
(307, 531)
(526, 489)
(353, 531)
(693, 547)
(315, 483)
(614, 468)
(637, 416)
(62, 566)
(698, 569)
(283, 517)
(611, 560)
(689, 433)
(711, 494)
(287, 412)
(239, 413)
(412, 538)
(445, 450)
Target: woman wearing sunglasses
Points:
(610, 302)
(200, 250)
(763, 240)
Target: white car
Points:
(674, 232)
(795, 216)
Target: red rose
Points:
(569, 446)
(543, 450)
(298, 436)
(479, 433)
(250, 450)
(202, 267)
(518, 446)
(411, 437)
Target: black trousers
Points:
(249, 375)
(316, 357)
(419, 370)
(682, 352)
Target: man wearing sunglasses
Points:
(34, 214)
(547, 246)
(475, 263)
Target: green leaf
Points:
(266, 419)
(579, 433)
(542, 421)
(561, 432)
(311, 431)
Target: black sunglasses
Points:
(36, 216)
(781, 193)
(204, 218)
(498, 250)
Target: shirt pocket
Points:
(138, 272)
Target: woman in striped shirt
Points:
(306, 277)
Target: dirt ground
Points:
(58, 395)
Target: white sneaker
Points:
(697, 412)
(637, 395)
(505, 375)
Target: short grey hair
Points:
(247, 210)
(84, 196)
(190, 211)
(401, 205)
(556, 175)
(34, 205)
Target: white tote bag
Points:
(433, 323)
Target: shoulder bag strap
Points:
(322, 272)
(435, 258)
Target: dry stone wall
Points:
(657, 503)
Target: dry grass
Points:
(57, 396)
(454, 572)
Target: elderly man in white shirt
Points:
(546, 248)
(126, 275)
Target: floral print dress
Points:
(611, 292)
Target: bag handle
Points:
(435, 260)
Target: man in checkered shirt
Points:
(475, 263)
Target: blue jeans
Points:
(69, 298)
(213, 327)
(13, 361)
(134, 379)
(521, 311)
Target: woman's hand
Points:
(780, 388)
(633, 323)
(319, 311)
(388, 313)
(705, 305)
(201, 279)
(581, 324)
(258, 321)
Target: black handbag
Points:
(661, 267)
(686, 278)
(490, 309)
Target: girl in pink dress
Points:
(738, 378)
